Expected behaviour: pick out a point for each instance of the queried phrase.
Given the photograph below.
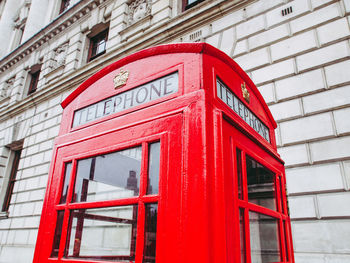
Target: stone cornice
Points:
(58, 25)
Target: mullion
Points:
(141, 212)
(66, 221)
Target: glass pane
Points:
(110, 176)
(264, 238)
(103, 233)
(261, 186)
(239, 173)
(149, 253)
(67, 171)
(242, 235)
(58, 231)
(153, 170)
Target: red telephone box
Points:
(167, 155)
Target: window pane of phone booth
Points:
(108, 176)
(242, 231)
(153, 169)
(264, 238)
(149, 253)
(261, 184)
(103, 233)
(58, 231)
(67, 170)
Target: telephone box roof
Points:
(200, 48)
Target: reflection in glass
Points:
(264, 239)
(153, 170)
(67, 170)
(110, 176)
(242, 235)
(261, 186)
(103, 233)
(149, 253)
(57, 237)
(239, 173)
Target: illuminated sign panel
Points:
(150, 91)
(229, 98)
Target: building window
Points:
(98, 45)
(34, 79)
(9, 179)
(64, 6)
(186, 4)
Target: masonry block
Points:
(329, 99)
(301, 207)
(227, 41)
(342, 120)
(334, 205)
(338, 73)
(315, 18)
(213, 40)
(294, 155)
(254, 59)
(267, 91)
(308, 128)
(330, 149)
(228, 20)
(250, 27)
(294, 45)
(275, 16)
(314, 178)
(286, 110)
(315, 236)
(338, 29)
(260, 7)
(240, 48)
(323, 56)
(274, 71)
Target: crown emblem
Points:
(245, 92)
(121, 79)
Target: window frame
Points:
(34, 79)
(186, 6)
(95, 40)
(243, 145)
(10, 176)
(141, 200)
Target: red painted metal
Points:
(198, 206)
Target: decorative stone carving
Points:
(22, 13)
(59, 56)
(138, 9)
(6, 89)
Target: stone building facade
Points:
(297, 52)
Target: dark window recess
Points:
(12, 180)
(98, 45)
(64, 5)
(34, 79)
(287, 11)
(186, 4)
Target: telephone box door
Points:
(110, 194)
(258, 227)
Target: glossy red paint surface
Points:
(198, 216)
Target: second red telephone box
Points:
(167, 155)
